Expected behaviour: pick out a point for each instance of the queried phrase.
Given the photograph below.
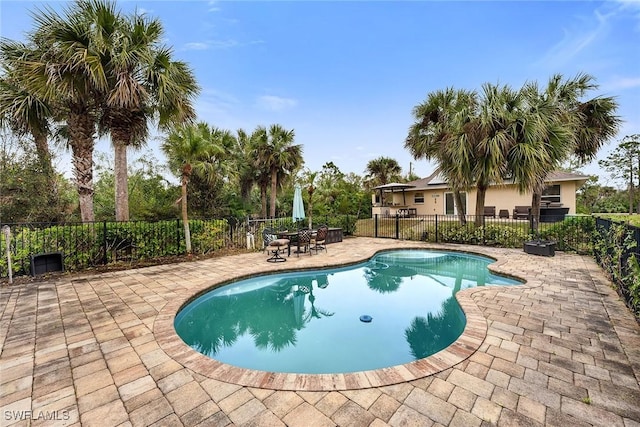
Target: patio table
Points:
(291, 235)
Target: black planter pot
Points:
(540, 247)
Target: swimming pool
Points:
(309, 321)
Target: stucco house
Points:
(433, 196)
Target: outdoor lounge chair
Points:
(521, 212)
(490, 211)
(318, 240)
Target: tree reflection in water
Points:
(427, 336)
(271, 315)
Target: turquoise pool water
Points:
(309, 321)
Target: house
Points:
(433, 196)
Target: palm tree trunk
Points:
(274, 185)
(480, 199)
(121, 179)
(263, 201)
(310, 212)
(462, 214)
(81, 130)
(185, 217)
(44, 157)
(536, 198)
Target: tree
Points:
(143, 82)
(308, 179)
(276, 153)
(555, 125)
(22, 180)
(623, 163)
(190, 149)
(382, 170)
(62, 64)
(440, 133)
(244, 163)
(25, 113)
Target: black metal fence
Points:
(617, 250)
(86, 245)
(93, 244)
(572, 233)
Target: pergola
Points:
(393, 187)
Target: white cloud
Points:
(621, 83)
(213, 6)
(576, 40)
(196, 46)
(275, 103)
(218, 44)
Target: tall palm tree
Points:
(244, 164)
(191, 149)
(311, 189)
(143, 82)
(382, 170)
(62, 64)
(259, 151)
(279, 156)
(25, 113)
(556, 125)
(438, 133)
(488, 137)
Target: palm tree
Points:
(62, 65)
(243, 160)
(191, 149)
(382, 170)
(488, 138)
(556, 125)
(277, 154)
(25, 113)
(311, 189)
(439, 134)
(143, 81)
(259, 150)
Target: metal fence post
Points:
(484, 230)
(436, 228)
(105, 259)
(375, 226)
(397, 226)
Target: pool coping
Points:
(468, 342)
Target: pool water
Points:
(310, 321)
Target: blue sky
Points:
(346, 75)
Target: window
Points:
(418, 198)
(449, 203)
(551, 194)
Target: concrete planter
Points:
(540, 247)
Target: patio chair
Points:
(304, 241)
(318, 239)
(490, 211)
(273, 245)
(521, 212)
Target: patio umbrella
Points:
(298, 205)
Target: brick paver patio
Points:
(98, 349)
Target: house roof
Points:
(436, 180)
(392, 186)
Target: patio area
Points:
(99, 349)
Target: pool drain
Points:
(366, 318)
